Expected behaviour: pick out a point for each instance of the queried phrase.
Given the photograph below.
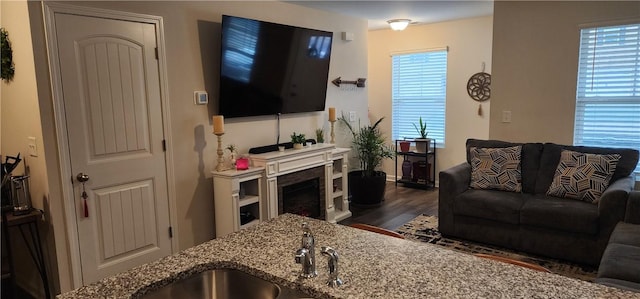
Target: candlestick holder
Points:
(220, 167)
(333, 135)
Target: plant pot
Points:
(297, 146)
(422, 144)
(367, 190)
(404, 146)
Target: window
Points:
(419, 84)
(608, 89)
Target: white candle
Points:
(332, 114)
(218, 124)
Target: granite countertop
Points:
(370, 264)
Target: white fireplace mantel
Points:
(289, 161)
(253, 193)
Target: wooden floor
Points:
(401, 204)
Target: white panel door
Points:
(113, 114)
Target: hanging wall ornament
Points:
(479, 87)
(6, 54)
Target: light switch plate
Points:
(200, 97)
(506, 116)
(32, 147)
(352, 116)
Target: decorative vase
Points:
(233, 159)
(404, 146)
(406, 169)
(422, 145)
(297, 146)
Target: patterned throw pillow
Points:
(583, 176)
(496, 168)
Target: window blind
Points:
(419, 84)
(608, 88)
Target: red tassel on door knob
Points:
(86, 209)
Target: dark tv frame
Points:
(237, 99)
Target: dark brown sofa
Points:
(530, 220)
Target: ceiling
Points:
(419, 12)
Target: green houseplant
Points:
(297, 140)
(367, 185)
(320, 135)
(232, 153)
(422, 141)
(7, 68)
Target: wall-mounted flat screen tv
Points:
(268, 68)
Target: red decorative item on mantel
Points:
(242, 164)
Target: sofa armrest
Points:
(613, 204)
(633, 208)
(452, 182)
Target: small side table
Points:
(25, 222)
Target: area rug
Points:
(424, 228)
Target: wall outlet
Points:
(352, 116)
(506, 116)
(32, 147)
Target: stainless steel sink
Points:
(223, 283)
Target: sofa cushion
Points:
(626, 233)
(560, 214)
(496, 168)
(619, 283)
(529, 159)
(490, 204)
(551, 156)
(621, 261)
(583, 176)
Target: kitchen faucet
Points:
(333, 281)
(306, 255)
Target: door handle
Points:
(82, 177)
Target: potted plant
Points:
(367, 185)
(422, 141)
(232, 153)
(320, 135)
(404, 145)
(297, 140)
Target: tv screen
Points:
(268, 68)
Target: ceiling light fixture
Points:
(399, 24)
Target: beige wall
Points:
(192, 43)
(20, 118)
(535, 54)
(469, 43)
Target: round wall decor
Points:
(479, 86)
